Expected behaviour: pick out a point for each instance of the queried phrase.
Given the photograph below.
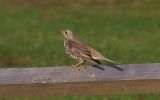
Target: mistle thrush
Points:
(80, 51)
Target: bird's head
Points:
(68, 34)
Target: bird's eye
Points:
(66, 32)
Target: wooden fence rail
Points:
(51, 81)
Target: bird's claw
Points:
(74, 66)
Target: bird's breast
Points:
(70, 52)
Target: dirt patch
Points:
(76, 4)
(37, 3)
(3, 34)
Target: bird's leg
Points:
(85, 66)
(80, 63)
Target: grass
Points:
(125, 31)
(106, 97)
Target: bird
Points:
(81, 51)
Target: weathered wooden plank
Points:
(68, 74)
(50, 81)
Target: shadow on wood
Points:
(113, 66)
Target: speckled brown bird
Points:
(80, 51)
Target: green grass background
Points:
(127, 31)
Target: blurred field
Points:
(127, 31)
(107, 97)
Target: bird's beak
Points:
(63, 33)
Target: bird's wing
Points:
(95, 54)
(80, 49)
(98, 56)
(85, 50)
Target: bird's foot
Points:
(85, 66)
(73, 66)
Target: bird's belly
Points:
(74, 56)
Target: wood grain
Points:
(49, 81)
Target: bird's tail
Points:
(111, 61)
